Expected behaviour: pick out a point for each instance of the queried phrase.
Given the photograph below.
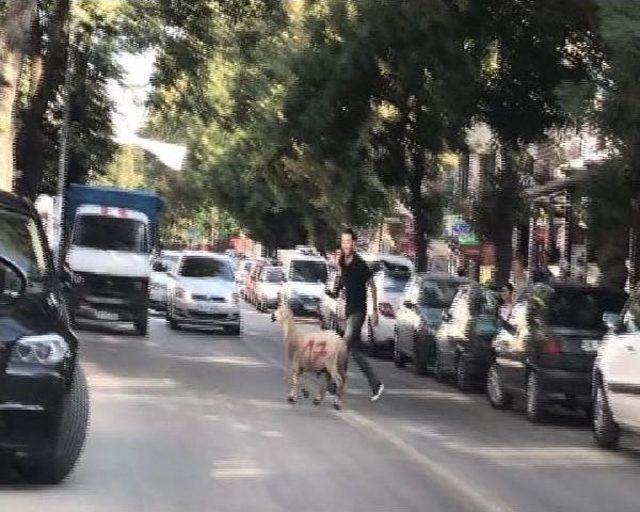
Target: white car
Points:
(203, 292)
(159, 278)
(305, 278)
(267, 288)
(616, 377)
(390, 287)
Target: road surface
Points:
(193, 421)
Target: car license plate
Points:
(311, 307)
(206, 308)
(107, 315)
(590, 345)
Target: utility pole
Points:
(63, 140)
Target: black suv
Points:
(44, 404)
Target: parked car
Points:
(44, 403)
(545, 352)
(390, 286)
(203, 292)
(242, 271)
(328, 302)
(420, 316)
(305, 280)
(160, 267)
(463, 341)
(616, 377)
(268, 286)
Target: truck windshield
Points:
(206, 267)
(308, 271)
(111, 234)
(20, 242)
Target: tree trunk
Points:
(32, 141)
(14, 43)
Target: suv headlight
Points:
(48, 349)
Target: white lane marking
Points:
(228, 360)
(272, 433)
(455, 484)
(237, 469)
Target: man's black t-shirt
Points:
(354, 278)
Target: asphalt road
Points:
(192, 421)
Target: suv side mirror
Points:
(408, 304)
(446, 316)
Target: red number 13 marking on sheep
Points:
(316, 350)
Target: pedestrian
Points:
(355, 276)
(507, 302)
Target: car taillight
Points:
(551, 346)
(386, 309)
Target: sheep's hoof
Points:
(337, 406)
(305, 393)
(316, 401)
(291, 399)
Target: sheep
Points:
(317, 352)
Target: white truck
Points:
(109, 235)
(305, 276)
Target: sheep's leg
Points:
(293, 378)
(339, 380)
(324, 384)
(303, 382)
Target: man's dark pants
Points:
(354, 345)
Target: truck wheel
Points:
(141, 324)
(68, 439)
(463, 379)
(419, 356)
(605, 430)
(234, 330)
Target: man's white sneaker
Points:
(378, 393)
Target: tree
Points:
(16, 22)
(533, 47)
(387, 86)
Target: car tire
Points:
(534, 399)
(419, 356)
(605, 430)
(438, 370)
(141, 324)
(68, 437)
(398, 358)
(173, 324)
(463, 378)
(499, 398)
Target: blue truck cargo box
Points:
(146, 202)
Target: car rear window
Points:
(583, 309)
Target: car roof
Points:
(15, 202)
(205, 254)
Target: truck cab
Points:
(108, 255)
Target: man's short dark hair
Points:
(349, 231)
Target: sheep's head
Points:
(282, 315)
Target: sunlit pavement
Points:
(193, 421)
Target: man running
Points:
(355, 275)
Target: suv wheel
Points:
(419, 355)
(498, 396)
(535, 406)
(605, 430)
(69, 434)
(463, 379)
(398, 358)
